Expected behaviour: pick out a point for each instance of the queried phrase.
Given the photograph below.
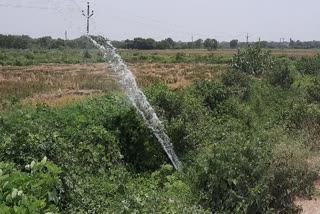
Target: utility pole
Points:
(88, 16)
(66, 35)
(247, 37)
(282, 42)
(192, 42)
(259, 42)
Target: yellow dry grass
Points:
(51, 83)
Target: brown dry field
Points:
(57, 84)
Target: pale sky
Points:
(178, 19)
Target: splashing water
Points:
(138, 99)
(127, 80)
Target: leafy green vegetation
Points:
(245, 139)
(34, 189)
(309, 65)
(252, 60)
(27, 57)
(39, 56)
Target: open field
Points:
(227, 52)
(21, 82)
(18, 83)
(76, 56)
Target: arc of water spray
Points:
(138, 99)
(129, 84)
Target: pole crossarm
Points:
(88, 16)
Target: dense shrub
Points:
(304, 119)
(313, 91)
(290, 174)
(281, 74)
(252, 60)
(180, 57)
(238, 83)
(309, 65)
(250, 177)
(87, 55)
(213, 93)
(96, 144)
(35, 189)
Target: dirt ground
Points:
(310, 206)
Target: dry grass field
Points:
(57, 84)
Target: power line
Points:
(156, 22)
(27, 7)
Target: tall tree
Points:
(211, 44)
(234, 43)
(198, 43)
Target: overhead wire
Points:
(173, 28)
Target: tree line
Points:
(47, 42)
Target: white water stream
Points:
(138, 99)
(126, 79)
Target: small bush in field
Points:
(251, 177)
(87, 55)
(289, 174)
(237, 82)
(212, 92)
(252, 60)
(281, 74)
(180, 57)
(309, 65)
(313, 91)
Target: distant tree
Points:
(171, 42)
(144, 44)
(150, 43)
(57, 44)
(129, 44)
(164, 44)
(119, 44)
(299, 44)
(45, 42)
(291, 43)
(198, 43)
(211, 44)
(234, 43)
(262, 44)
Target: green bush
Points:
(281, 74)
(180, 57)
(313, 91)
(35, 189)
(87, 55)
(309, 65)
(237, 82)
(213, 93)
(252, 60)
(251, 177)
(290, 174)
